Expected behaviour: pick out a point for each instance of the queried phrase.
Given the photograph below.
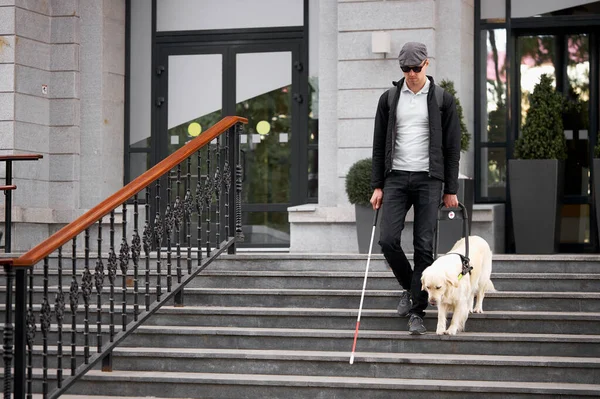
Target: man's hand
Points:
(376, 198)
(450, 200)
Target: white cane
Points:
(362, 296)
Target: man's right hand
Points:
(376, 198)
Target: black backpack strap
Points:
(391, 94)
(439, 96)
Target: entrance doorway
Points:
(568, 57)
(264, 81)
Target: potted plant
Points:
(596, 181)
(359, 191)
(536, 175)
(465, 136)
(450, 231)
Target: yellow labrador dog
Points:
(453, 292)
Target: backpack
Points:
(438, 91)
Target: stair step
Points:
(505, 263)
(331, 318)
(382, 365)
(296, 386)
(508, 301)
(327, 363)
(584, 282)
(381, 319)
(507, 344)
(382, 299)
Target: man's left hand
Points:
(450, 200)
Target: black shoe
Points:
(405, 304)
(415, 325)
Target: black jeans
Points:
(401, 191)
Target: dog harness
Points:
(466, 267)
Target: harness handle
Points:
(465, 214)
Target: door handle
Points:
(298, 98)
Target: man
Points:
(416, 148)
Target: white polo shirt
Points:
(412, 131)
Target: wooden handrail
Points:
(8, 188)
(21, 157)
(71, 230)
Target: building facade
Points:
(105, 89)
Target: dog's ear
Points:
(422, 284)
(452, 280)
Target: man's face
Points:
(411, 74)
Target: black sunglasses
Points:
(416, 69)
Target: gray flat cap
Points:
(412, 54)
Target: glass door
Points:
(265, 93)
(261, 83)
(565, 57)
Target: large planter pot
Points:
(596, 182)
(451, 231)
(536, 190)
(364, 228)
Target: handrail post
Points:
(8, 209)
(8, 204)
(237, 180)
(232, 159)
(20, 352)
(8, 332)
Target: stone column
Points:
(455, 49)
(61, 95)
(102, 99)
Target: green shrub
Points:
(465, 137)
(358, 182)
(597, 147)
(543, 136)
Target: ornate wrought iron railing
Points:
(186, 211)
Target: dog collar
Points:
(466, 267)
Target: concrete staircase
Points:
(281, 326)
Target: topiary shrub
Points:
(543, 136)
(465, 137)
(358, 182)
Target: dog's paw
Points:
(440, 331)
(451, 331)
(478, 310)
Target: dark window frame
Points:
(515, 27)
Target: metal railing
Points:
(190, 204)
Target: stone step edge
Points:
(336, 274)
(334, 356)
(334, 312)
(40, 396)
(340, 382)
(374, 334)
(285, 256)
(341, 312)
(329, 292)
(338, 334)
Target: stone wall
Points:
(62, 68)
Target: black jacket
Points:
(444, 139)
